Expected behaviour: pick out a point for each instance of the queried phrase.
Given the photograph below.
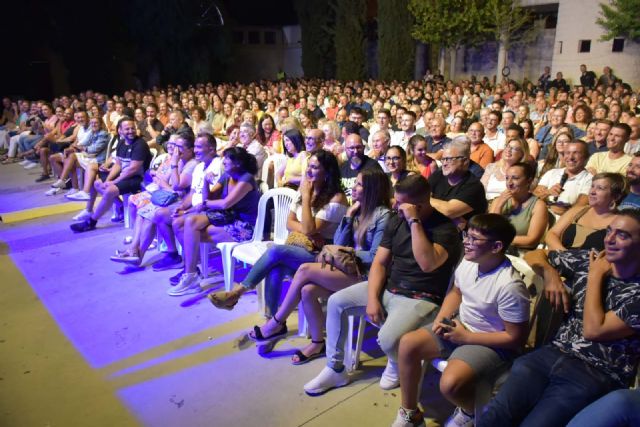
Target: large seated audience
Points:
(426, 189)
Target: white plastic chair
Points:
(249, 252)
(279, 160)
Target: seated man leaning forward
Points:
(125, 176)
(597, 347)
(490, 305)
(407, 283)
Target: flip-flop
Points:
(302, 358)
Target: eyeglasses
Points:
(474, 240)
(451, 159)
(393, 159)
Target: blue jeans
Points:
(545, 388)
(27, 142)
(617, 409)
(272, 267)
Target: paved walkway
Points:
(81, 344)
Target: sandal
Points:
(302, 358)
(224, 300)
(258, 337)
(126, 256)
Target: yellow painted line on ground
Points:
(42, 211)
(44, 380)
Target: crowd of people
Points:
(430, 186)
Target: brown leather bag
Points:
(341, 257)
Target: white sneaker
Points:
(325, 381)
(59, 184)
(459, 419)
(25, 162)
(31, 165)
(78, 195)
(189, 284)
(408, 419)
(84, 214)
(389, 379)
(52, 191)
(70, 192)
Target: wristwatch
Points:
(414, 220)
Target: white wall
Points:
(577, 21)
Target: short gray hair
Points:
(462, 144)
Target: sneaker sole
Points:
(190, 291)
(320, 393)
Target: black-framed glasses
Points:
(474, 240)
(451, 159)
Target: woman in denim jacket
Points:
(361, 228)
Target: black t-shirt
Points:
(404, 275)
(155, 125)
(469, 191)
(137, 150)
(348, 176)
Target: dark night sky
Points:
(95, 31)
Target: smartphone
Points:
(447, 321)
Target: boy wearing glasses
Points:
(481, 326)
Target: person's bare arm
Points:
(554, 288)
(598, 324)
(377, 280)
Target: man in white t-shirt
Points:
(492, 135)
(565, 187)
(481, 325)
(171, 224)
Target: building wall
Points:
(528, 61)
(577, 21)
(260, 52)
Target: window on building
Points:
(618, 45)
(584, 46)
(270, 37)
(254, 37)
(238, 37)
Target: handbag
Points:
(341, 257)
(301, 240)
(163, 198)
(220, 217)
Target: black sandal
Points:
(258, 337)
(302, 358)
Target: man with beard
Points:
(633, 181)
(131, 159)
(356, 162)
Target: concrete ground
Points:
(82, 345)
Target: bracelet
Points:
(174, 166)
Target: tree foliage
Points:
(350, 40)
(318, 53)
(396, 49)
(507, 22)
(620, 19)
(449, 23)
